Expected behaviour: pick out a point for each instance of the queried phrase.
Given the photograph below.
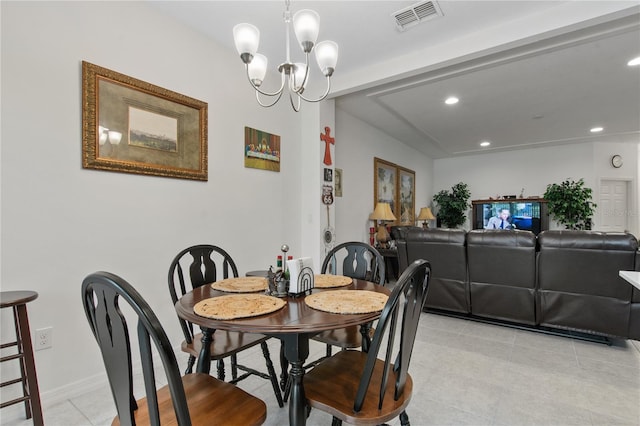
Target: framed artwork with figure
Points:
(385, 182)
(407, 196)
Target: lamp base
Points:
(382, 237)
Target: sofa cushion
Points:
(502, 274)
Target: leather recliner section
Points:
(446, 251)
(502, 274)
(578, 283)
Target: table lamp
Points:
(425, 215)
(382, 213)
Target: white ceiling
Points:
(524, 76)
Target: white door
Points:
(613, 206)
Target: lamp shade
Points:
(327, 56)
(306, 25)
(382, 212)
(425, 214)
(246, 38)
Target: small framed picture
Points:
(328, 175)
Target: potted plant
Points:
(453, 205)
(570, 204)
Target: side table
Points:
(390, 263)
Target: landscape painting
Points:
(150, 130)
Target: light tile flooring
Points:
(465, 373)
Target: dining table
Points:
(294, 325)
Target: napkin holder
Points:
(300, 275)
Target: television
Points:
(524, 214)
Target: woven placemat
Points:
(241, 284)
(347, 301)
(330, 281)
(236, 306)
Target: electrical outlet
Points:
(44, 338)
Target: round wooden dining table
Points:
(294, 325)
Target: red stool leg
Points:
(32, 380)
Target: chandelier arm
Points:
(277, 93)
(295, 108)
(267, 105)
(324, 95)
(306, 75)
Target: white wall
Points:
(356, 145)
(506, 173)
(61, 222)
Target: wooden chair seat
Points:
(335, 395)
(225, 343)
(346, 338)
(210, 401)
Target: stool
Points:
(18, 301)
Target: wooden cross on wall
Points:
(326, 137)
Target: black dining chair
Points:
(362, 388)
(193, 399)
(355, 260)
(204, 264)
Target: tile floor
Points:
(465, 373)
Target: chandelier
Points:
(294, 76)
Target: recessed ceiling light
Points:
(634, 62)
(485, 143)
(597, 129)
(451, 100)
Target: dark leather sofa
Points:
(564, 281)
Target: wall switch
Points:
(43, 338)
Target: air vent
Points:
(413, 15)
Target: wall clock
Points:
(616, 161)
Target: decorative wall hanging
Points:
(338, 182)
(261, 150)
(132, 126)
(395, 185)
(328, 175)
(328, 140)
(406, 196)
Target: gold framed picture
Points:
(385, 182)
(132, 126)
(395, 185)
(406, 196)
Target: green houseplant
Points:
(570, 204)
(453, 205)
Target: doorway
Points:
(614, 207)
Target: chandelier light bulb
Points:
(246, 38)
(327, 56)
(306, 25)
(257, 69)
(298, 82)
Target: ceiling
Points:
(534, 89)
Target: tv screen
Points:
(522, 215)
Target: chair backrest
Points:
(405, 303)
(356, 260)
(101, 295)
(196, 266)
